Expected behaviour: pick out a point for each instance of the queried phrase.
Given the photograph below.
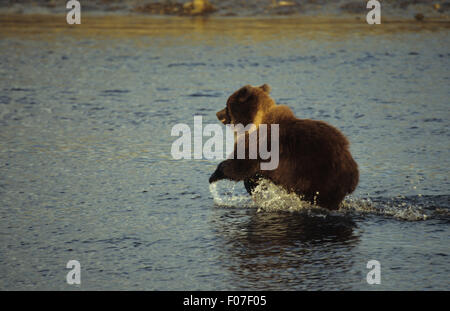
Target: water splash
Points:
(228, 197)
(268, 197)
(398, 208)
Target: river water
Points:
(86, 171)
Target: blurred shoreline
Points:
(259, 19)
(257, 28)
(394, 9)
(22, 23)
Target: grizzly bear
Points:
(314, 157)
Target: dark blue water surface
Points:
(86, 171)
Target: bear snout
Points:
(222, 116)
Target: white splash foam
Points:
(268, 197)
(399, 210)
(228, 197)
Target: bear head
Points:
(247, 105)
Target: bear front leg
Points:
(234, 169)
(252, 182)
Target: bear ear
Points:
(244, 93)
(266, 88)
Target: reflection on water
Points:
(282, 251)
(86, 172)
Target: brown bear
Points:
(314, 157)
